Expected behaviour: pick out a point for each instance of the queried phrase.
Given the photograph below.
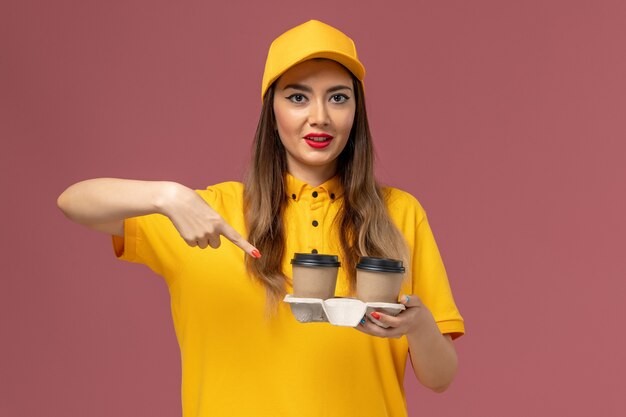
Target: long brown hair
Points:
(365, 228)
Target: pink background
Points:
(505, 119)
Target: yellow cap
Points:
(312, 39)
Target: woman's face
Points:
(314, 107)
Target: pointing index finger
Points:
(231, 234)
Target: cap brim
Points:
(350, 63)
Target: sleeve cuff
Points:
(125, 247)
(456, 328)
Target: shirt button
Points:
(314, 251)
(314, 194)
(293, 196)
(332, 196)
(315, 223)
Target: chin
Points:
(317, 163)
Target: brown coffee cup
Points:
(314, 275)
(378, 279)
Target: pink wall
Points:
(506, 120)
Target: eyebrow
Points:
(310, 90)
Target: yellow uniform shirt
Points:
(235, 362)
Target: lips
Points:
(318, 140)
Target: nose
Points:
(318, 115)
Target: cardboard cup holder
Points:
(338, 311)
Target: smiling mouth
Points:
(318, 142)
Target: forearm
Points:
(103, 200)
(433, 356)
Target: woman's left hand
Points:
(409, 321)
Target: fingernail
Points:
(375, 315)
(362, 321)
(407, 298)
(256, 253)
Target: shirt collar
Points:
(296, 187)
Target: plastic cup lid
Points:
(380, 264)
(314, 259)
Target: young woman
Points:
(310, 188)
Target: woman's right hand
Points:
(197, 222)
(103, 203)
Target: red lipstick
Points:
(319, 143)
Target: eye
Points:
(339, 98)
(296, 98)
